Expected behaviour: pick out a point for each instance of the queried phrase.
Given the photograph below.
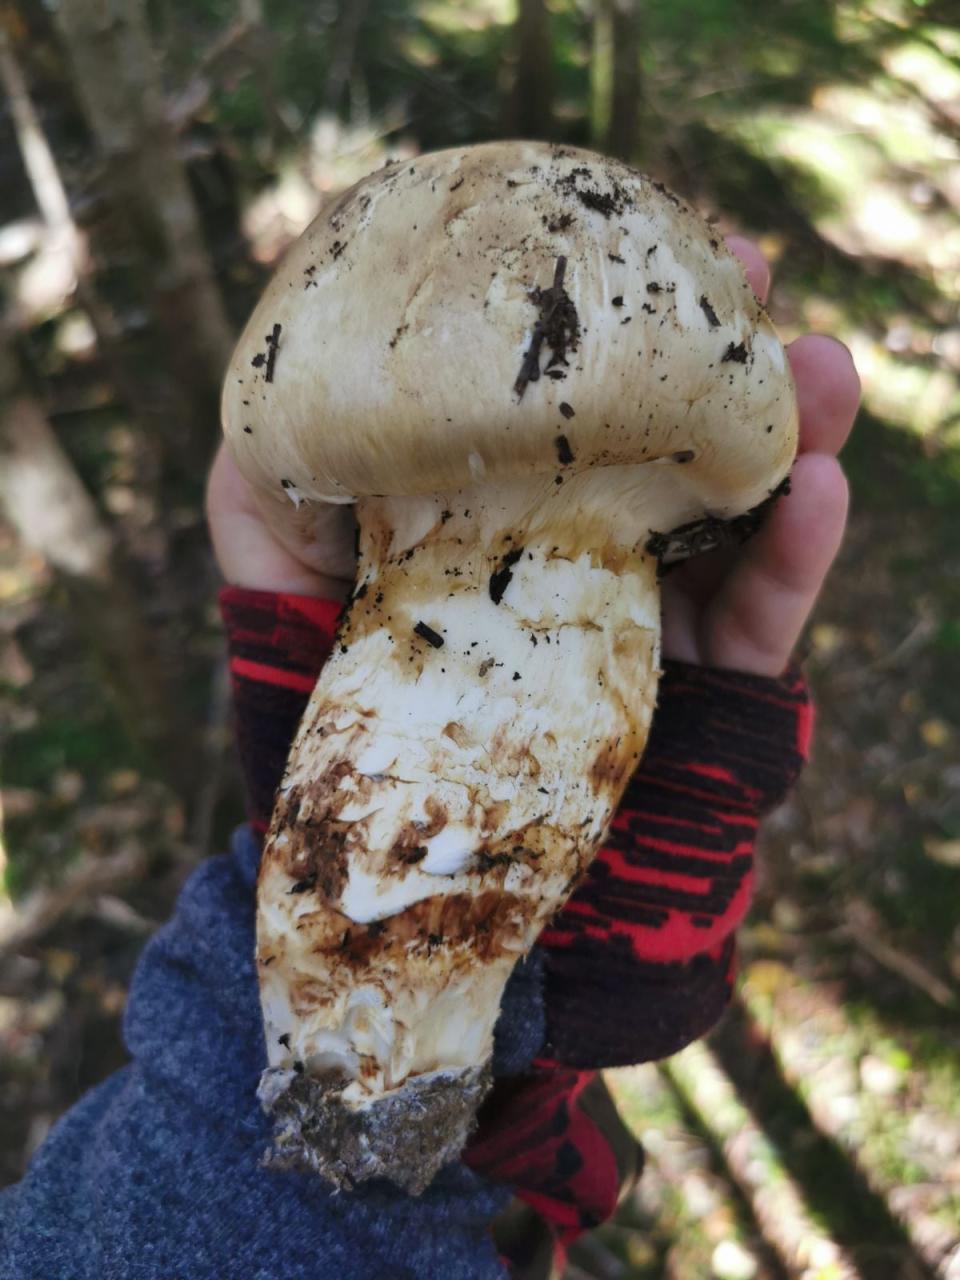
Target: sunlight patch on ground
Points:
(889, 189)
(907, 395)
(918, 64)
(885, 1095)
(466, 15)
(873, 204)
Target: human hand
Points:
(744, 609)
(251, 554)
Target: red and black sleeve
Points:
(277, 646)
(640, 960)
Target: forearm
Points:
(158, 1172)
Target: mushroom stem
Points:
(456, 768)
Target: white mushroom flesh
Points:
(521, 363)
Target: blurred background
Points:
(155, 159)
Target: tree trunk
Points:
(623, 135)
(601, 73)
(349, 21)
(52, 512)
(37, 158)
(64, 238)
(616, 86)
(532, 98)
(151, 208)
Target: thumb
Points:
(755, 621)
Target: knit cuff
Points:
(726, 738)
(277, 645)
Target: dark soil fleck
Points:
(558, 326)
(606, 203)
(564, 452)
(664, 191)
(615, 257)
(708, 311)
(566, 409)
(617, 301)
(710, 533)
(428, 634)
(500, 578)
(268, 358)
(735, 353)
(455, 186)
(558, 224)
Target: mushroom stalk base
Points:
(406, 1136)
(457, 766)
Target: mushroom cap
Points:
(504, 310)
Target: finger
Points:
(754, 263)
(756, 619)
(828, 392)
(247, 551)
(680, 612)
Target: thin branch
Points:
(862, 925)
(37, 156)
(40, 911)
(189, 101)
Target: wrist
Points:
(294, 581)
(277, 643)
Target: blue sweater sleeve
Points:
(156, 1174)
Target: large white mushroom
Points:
(527, 366)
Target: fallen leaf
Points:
(122, 781)
(826, 638)
(765, 977)
(60, 963)
(946, 852)
(66, 786)
(935, 733)
(18, 802)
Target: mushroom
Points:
(526, 366)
